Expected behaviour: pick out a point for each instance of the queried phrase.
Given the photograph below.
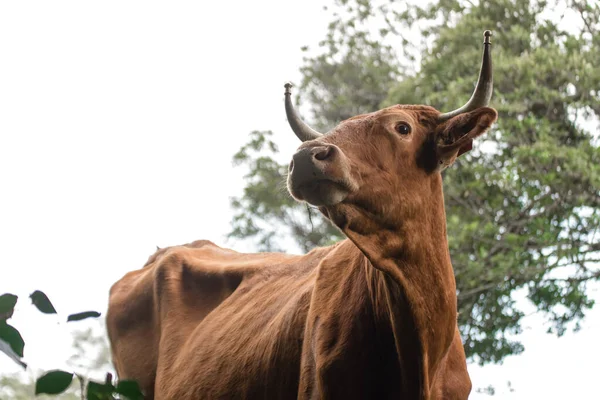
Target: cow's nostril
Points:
(291, 165)
(324, 153)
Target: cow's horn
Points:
(303, 131)
(485, 84)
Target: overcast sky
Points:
(118, 121)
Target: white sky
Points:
(118, 121)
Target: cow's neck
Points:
(416, 290)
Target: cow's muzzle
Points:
(320, 175)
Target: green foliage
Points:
(91, 355)
(353, 73)
(53, 382)
(107, 391)
(57, 382)
(361, 79)
(526, 214)
(130, 389)
(83, 315)
(7, 304)
(12, 336)
(14, 387)
(99, 391)
(41, 301)
(266, 209)
(524, 206)
(91, 351)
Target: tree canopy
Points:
(524, 206)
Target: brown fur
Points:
(371, 317)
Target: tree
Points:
(266, 208)
(16, 387)
(524, 208)
(91, 351)
(57, 382)
(91, 357)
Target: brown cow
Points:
(371, 317)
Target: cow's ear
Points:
(455, 136)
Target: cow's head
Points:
(389, 158)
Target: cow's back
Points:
(197, 319)
(202, 322)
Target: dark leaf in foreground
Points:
(53, 382)
(83, 315)
(99, 391)
(7, 349)
(7, 304)
(41, 301)
(130, 389)
(12, 336)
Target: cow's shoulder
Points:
(169, 295)
(180, 293)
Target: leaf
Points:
(7, 349)
(12, 336)
(130, 389)
(99, 391)
(83, 315)
(53, 382)
(7, 303)
(41, 301)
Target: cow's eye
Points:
(403, 128)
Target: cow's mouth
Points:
(320, 192)
(319, 174)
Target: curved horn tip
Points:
(484, 88)
(303, 131)
(288, 87)
(487, 34)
